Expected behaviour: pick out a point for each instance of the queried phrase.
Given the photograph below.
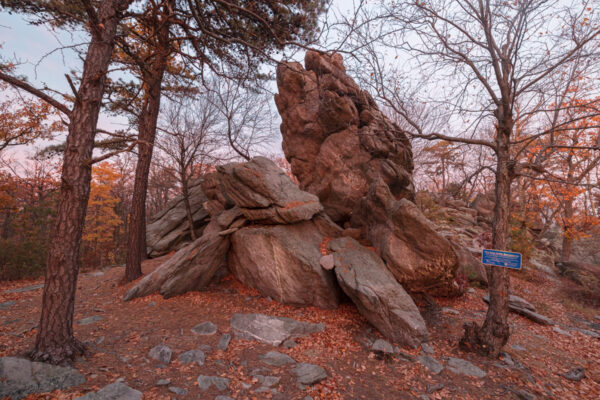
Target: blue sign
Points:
(501, 258)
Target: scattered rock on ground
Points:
(163, 382)
(178, 391)
(114, 391)
(25, 289)
(309, 374)
(561, 331)
(6, 304)
(426, 347)
(523, 307)
(20, 377)
(204, 382)
(271, 330)
(90, 320)
(576, 374)
(431, 363)
(224, 342)
(276, 359)
(191, 356)
(205, 329)
(161, 353)
(382, 346)
(520, 393)
(463, 367)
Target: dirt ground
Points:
(120, 342)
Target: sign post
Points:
(500, 258)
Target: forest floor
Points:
(119, 343)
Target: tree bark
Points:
(188, 207)
(55, 342)
(152, 81)
(489, 339)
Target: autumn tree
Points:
(55, 341)
(477, 62)
(101, 219)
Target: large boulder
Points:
(169, 229)
(20, 377)
(379, 297)
(419, 257)
(282, 261)
(335, 137)
(265, 193)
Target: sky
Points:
(35, 50)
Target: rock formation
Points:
(351, 227)
(344, 150)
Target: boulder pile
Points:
(349, 228)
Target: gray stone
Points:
(178, 391)
(191, 268)
(431, 363)
(20, 377)
(191, 356)
(289, 344)
(205, 329)
(115, 391)
(90, 320)
(162, 382)
(276, 359)
(523, 307)
(204, 382)
(561, 331)
(267, 381)
(309, 374)
(6, 304)
(463, 367)
(271, 330)
(378, 296)
(266, 194)
(282, 262)
(25, 289)
(224, 342)
(222, 397)
(518, 347)
(434, 387)
(382, 346)
(520, 393)
(426, 347)
(161, 353)
(576, 374)
(587, 332)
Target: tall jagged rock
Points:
(343, 149)
(335, 137)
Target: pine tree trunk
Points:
(55, 342)
(136, 242)
(492, 336)
(566, 243)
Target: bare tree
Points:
(246, 114)
(484, 64)
(190, 142)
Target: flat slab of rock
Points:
(309, 374)
(25, 289)
(463, 367)
(204, 382)
(6, 304)
(276, 359)
(191, 356)
(114, 391)
(90, 320)
(205, 329)
(20, 377)
(266, 194)
(430, 363)
(382, 346)
(191, 268)
(224, 342)
(283, 262)
(522, 307)
(271, 330)
(378, 296)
